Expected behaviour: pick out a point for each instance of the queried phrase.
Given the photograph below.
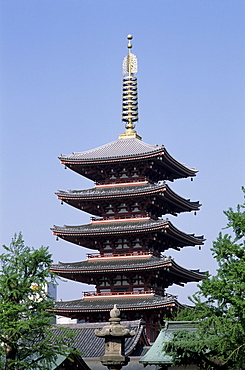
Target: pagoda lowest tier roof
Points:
(96, 194)
(83, 269)
(126, 150)
(124, 304)
(164, 233)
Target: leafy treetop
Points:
(219, 307)
(26, 337)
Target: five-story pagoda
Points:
(128, 201)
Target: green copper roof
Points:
(71, 361)
(58, 361)
(156, 355)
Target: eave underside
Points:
(165, 200)
(162, 170)
(125, 152)
(163, 267)
(161, 233)
(139, 304)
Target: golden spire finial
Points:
(130, 63)
(130, 99)
(129, 41)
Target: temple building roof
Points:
(126, 150)
(78, 270)
(164, 229)
(162, 190)
(156, 355)
(86, 342)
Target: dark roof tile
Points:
(118, 148)
(124, 191)
(128, 227)
(89, 345)
(126, 264)
(106, 304)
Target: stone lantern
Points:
(114, 334)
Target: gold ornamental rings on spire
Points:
(129, 93)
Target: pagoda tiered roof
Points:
(85, 270)
(130, 198)
(129, 150)
(103, 304)
(88, 199)
(165, 234)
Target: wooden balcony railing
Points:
(123, 255)
(123, 293)
(119, 180)
(123, 217)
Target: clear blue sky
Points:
(61, 92)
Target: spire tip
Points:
(129, 37)
(130, 101)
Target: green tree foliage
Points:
(26, 336)
(219, 341)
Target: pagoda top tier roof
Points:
(118, 149)
(129, 149)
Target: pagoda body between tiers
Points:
(127, 230)
(140, 273)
